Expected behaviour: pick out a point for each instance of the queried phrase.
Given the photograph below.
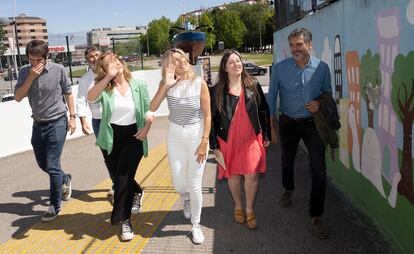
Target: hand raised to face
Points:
(113, 66)
(170, 79)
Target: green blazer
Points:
(141, 101)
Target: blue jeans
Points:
(95, 127)
(47, 141)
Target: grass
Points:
(138, 68)
(262, 59)
(78, 73)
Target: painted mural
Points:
(372, 71)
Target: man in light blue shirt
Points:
(299, 80)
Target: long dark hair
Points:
(222, 85)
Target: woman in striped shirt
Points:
(188, 132)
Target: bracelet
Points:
(204, 137)
(74, 116)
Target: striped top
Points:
(184, 102)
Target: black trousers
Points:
(123, 161)
(291, 132)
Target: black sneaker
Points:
(137, 203)
(67, 188)
(286, 200)
(319, 230)
(50, 215)
(126, 230)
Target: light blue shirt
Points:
(296, 86)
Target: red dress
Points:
(243, 152)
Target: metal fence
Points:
(8, 75)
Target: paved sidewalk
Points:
(83, 226)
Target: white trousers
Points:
(186, 172)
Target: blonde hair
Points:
(166, 60)
(101, 70)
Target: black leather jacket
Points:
(259, 115)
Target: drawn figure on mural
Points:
(388, 46)
(338, 69)
(402, 95)
(353, 74)
(366, 157)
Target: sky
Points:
(76, 17)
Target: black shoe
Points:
(319, 230)
(137, 203)
(286, 200)
(67, 188)
(50, 215)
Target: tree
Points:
(207, 22)
(128, 48)
(257, 19)
(2, 34)
(229, 28)
(402, 98)
(370, 83)
(158, 32)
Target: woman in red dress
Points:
(240, 132)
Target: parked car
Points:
(254, 69)
(7, 97)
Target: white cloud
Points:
(410, 12)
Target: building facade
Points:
(28, 28)
(119, 34)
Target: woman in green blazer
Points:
(126, 120)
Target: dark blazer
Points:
(327, 120)
(259, 115)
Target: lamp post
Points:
(268, 2)
(19, 59)
(147, 42)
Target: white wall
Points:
(16, 122)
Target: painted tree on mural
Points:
(402, 95)
(370, 83)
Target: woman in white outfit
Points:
(189, 128)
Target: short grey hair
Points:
(307, 35)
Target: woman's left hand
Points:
(141, 134)
(266, 143)
(201, 152)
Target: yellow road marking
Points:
(84, 225)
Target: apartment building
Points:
(28, 28)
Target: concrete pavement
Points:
(83, 226)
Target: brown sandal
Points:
(239, 216)
(251, 221)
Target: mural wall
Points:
(370, 51)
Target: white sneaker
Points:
(126, 230)
(137, 203)
(198, 236)
(187, 209)
(111, 195)
(67, 188)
